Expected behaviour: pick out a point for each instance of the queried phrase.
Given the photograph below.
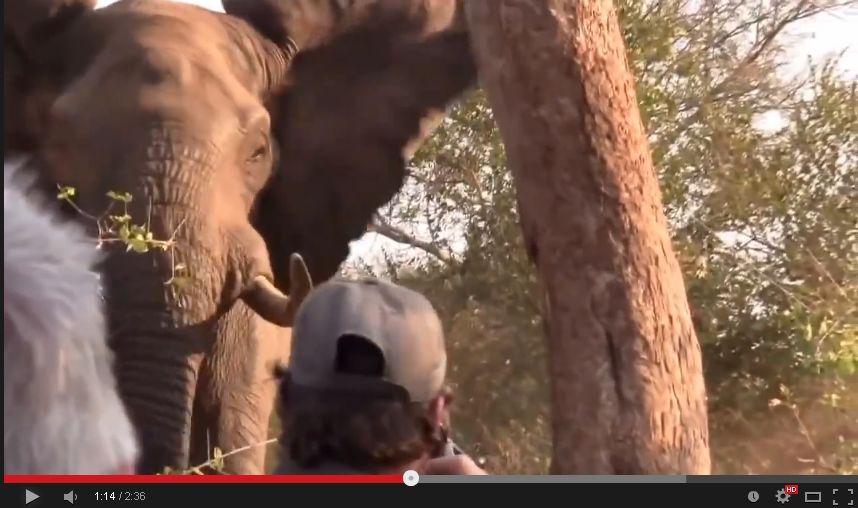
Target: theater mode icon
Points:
(812, 497)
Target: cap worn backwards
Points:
(400, 322)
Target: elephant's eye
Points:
(259, 153)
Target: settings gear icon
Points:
(782, 496)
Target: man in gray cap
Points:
(365, 390)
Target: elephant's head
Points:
(230, 143)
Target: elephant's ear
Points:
(355, 108)
(310, 24)
(27, 24)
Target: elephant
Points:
(260, 140)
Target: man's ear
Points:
(439, 411)
(355, 108)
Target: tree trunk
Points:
(627, 384)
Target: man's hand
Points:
(453, 465)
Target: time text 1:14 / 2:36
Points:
(120, 495)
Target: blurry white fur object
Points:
(61, 411)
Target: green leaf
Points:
(66, 193)
(138, 231)
(217, 460)
(120, 219)
(180, 282)
(124, 197)
(138, 244)
(846, 365)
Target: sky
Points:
(823, 35)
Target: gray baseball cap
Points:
(399, 321)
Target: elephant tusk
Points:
(273, 305)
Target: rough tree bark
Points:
(627, 384)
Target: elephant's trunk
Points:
(160, 332)
(156, 373)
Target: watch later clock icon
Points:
(753, 496)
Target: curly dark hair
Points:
(363, 431)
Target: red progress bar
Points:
(202, 479)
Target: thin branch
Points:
(805, 432)
(383, 228)
(801, 11)
(821, 268)
(171, 245)
(749, 265)
(210, 463)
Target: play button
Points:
(30, 496)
